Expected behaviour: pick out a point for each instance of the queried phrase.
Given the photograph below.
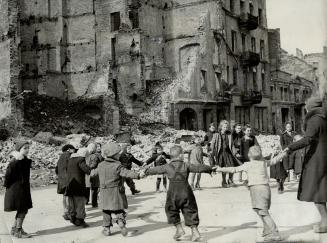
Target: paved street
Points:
(225, 214)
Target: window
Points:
(272, 92)
(262, 49)
(296, 95)
(113, 50)
(255, 82)
(242, 6)
(234, 41)
(285, 93)
(218, 81)
(115, 88)
(242, 114)
(231, 5)
(227, 70)
(115, 21)
(245, 78)
(27, 67)
(260, 118)
(260, 16)
(251, 8)
(203, 81)
(253, 45)
(243, 42)
(134, 16)
(263, 79)
(281, 93)
(235, 70)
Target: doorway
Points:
(188, 120)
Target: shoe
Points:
(165, 189)
(273, 237)
(72, 219)
(265, 233)
(157, 191)
(81, 222)
(179, 232)
(66, 217)
(13, 230)
(135, 192)
(106, 231)
(21, 234)
(245, 182)
(320, 229)
(95, 206)
(196, 237)
(198, 187)
(224, 185)
(122, 226)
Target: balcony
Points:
(250, 59)
(248, 21)
(223, 98)
(251, 97)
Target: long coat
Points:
(313, 181)
(61, 171)
(17, 183)
(216, 146)
(285, 140)
(112, 191)
(76, 171)
(92, 161)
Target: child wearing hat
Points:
(18, 191)
(158, 158)
(258, 184)
(113, 199)
(180, 197)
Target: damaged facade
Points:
(293, 81)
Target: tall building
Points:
(293, 81)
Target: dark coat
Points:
(17, 184)
(76, 171)
(216, 146)
(127, 159)
(313, 182)
(245, 146)
(158, 159)
(285, 140)
(61, 171)
(237, 138)
(112, 190)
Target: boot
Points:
(195, 234)
(122, 227)
(81, 222)
(135, 192)
(179, 231)
(106, 231)
(275, 236)
(20, 233)
(158, 184)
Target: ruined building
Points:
(184, 63)
(293, 80)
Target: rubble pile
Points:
(267, 143)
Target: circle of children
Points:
(105, 168)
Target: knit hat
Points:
(110, 149)
(313, 102)
(19, 144)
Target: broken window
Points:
(232, 6)
(262, 49)
(253, 45)
(243, 42)
(235, 76)
(260, 16)
(115, 21)
(234, 41)
(203, 81)
(134, 17)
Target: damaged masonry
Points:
(103, 61)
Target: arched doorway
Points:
(188, 119)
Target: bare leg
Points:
(323, 213)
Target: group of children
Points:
(110, 174)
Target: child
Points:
(112, 191)
(180, 196)
(127, 159)
(159, 158)
(296, 159)
(61, 171)
(17, 184)
(278, 172)
(258, 183)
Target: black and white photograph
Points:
(135, 121)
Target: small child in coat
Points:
(113, 199)
(297, 158)
(180, 197)
(159, 158)
(258, 183)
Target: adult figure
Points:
(313, 180)
(237, 135)
(221, 150)
(280, 170)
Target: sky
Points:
(303, 23)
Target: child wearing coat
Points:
(112, 191)
(296, 159)
(18, 191)
(158, 158)
(258, 183)
(180, 197)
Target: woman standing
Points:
(18, 192)
(280, 170)
(221, 150)
(313, 180)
